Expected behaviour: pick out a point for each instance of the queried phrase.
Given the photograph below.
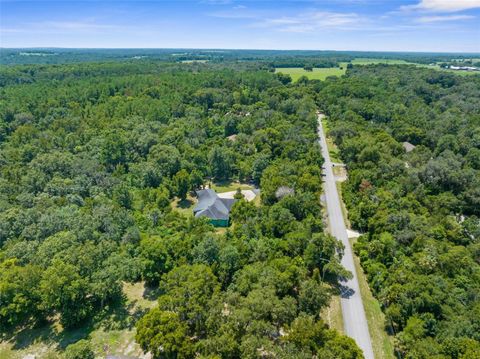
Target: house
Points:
(408, 146)
(232, 138)
(210, 205)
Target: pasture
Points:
(374, 61)
(316, 74)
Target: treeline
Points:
(62, 56)
(419, 210)
(90, 163)
(26, 74)
(306, 62)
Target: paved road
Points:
(354, 319)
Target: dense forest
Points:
(91, 158)
(419, 210)
(279, 58)
(93, 155)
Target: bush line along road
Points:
(354, 318)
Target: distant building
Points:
(232, 138)
(408, 146)
(213, 207)
(464, 68)
(283, 191)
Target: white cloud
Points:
(430, 19)
(312, 21)
(217, 2)
(10, 30)
(237, 12)
(443, 5)
(75, 25)
(88, 26)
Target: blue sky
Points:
(380, 25)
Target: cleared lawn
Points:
(185, 206)
(226, 186)
(317, 73)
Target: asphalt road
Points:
(354, 319)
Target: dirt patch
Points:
(247, 193)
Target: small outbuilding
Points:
(408, 146)
(232, 138)
(210, 205)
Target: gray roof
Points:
(408, 146)
(211, 206)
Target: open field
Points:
(194, 61)
(317, 73)
(371, 61)
(461, 73)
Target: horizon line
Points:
(233, 49)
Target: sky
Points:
(363, 25)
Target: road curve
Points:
(354, 319)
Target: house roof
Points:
(408, 146)
(211, 206)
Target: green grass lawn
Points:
(227, 186)
(317, 73)
(185, 206)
